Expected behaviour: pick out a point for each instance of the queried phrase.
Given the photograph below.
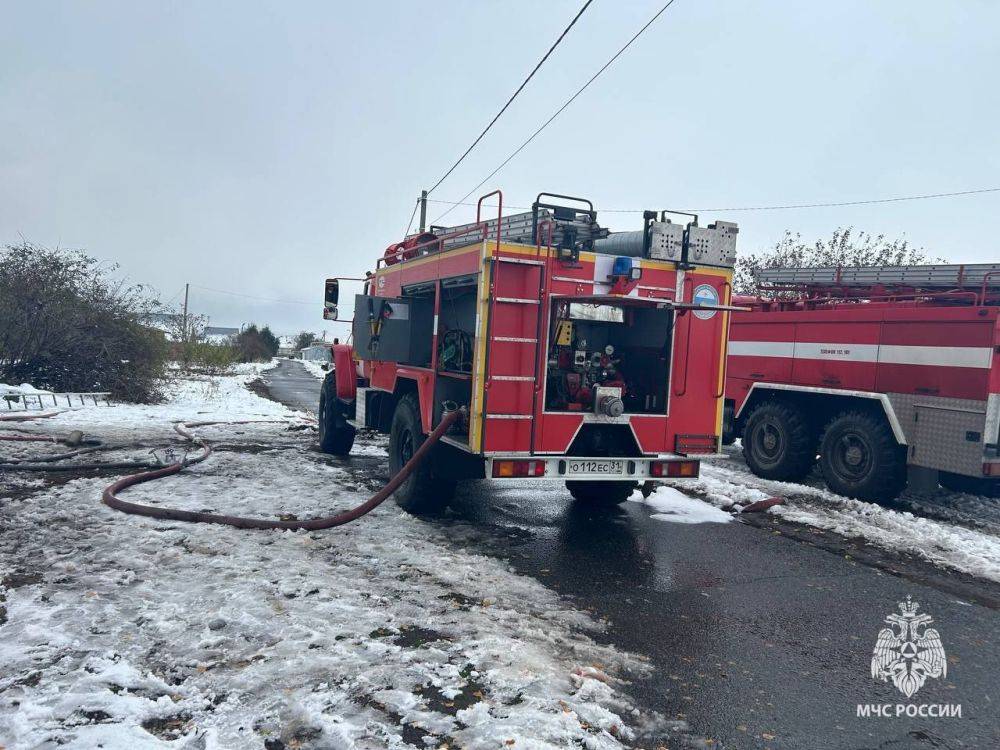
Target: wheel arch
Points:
(381, 404)
(823, 403)
(422, 387)
(344, 372)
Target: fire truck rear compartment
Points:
(608, 359)
(455, 347)
(455, 328)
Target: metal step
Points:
(941, 276)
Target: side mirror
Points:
(331, 294)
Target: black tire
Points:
(600, 493)
(984, 486)
(779, 442)
(729, 433)
(336, 436)
(860, 457)
(423, 491)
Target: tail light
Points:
(674, 469)
(504, 469)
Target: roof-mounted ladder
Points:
(972, 276)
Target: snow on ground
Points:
(119, 631)
(726, 483)
(314, 368)
(674, 506)
(14, 390)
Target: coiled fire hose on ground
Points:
(111, 499)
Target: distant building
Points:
(219, 334)
(317, 352)
(286, 347)
(171, 324)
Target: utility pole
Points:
(184, 319)
(423, 210)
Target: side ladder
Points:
(513, 330)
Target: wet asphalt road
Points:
(293, 385)
(758, 634)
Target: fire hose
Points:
(26, 417)
(75, 439)
(111, 499)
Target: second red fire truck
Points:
(572, 353)
(870, 372)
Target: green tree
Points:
(271, 342)
(256, 344)
(303, 339)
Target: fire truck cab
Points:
(879, 374)
(572, 353)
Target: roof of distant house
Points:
(220, 331)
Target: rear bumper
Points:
(594, 469)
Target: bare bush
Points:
(186, 333)
(68, 325)
(844, 248)
(211, 359)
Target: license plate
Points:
(595, 466)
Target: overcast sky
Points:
(260, 147)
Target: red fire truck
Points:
(571, 353)
(872, 370)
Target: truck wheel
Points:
(778, 442)
(984, 486)
(729, 423)
(860, 458)
(336, 436)
(422, 492)
(601, 493)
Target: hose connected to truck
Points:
(111, 499)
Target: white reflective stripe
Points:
(893, 354)
(762, 348)
(944, 356)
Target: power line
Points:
(512, 98)
(857, 203)
(252, 296)
(410, 222)
(171, 300)
(770, 208)
(564, 106)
